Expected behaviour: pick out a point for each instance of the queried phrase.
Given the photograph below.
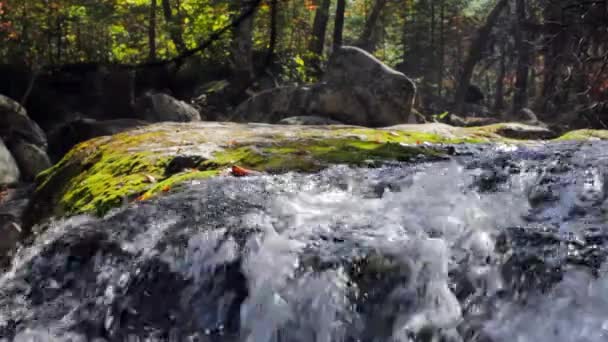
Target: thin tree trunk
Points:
(442, 50)
(520, 98)
(242, 48)
(339, 24)
(175, 26)
(475, 54)
(319, 29)
(367, 41)
(152, 31)
(272, 43)
(407, 15)
(555, 41)
(499, 97)
(432, 38)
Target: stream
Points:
(497, 244)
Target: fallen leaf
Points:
(143, 197)
(238, 171)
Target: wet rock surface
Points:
(9, 171)
(500, 243)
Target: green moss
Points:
(410, 137)
(584, 134)
(100, 174)
(175, 181)
(106, 172)
(114, 179)
(313, 155)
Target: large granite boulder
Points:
(30, 158)
(111, 171)
(158, 107)
(9, 172)
(62, 139)
(356, 89)
(15, 124)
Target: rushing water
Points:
(497, 244)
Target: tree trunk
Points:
(319, 29)
(339, 24)
(175, 27)
(242, 45)
(152, 32)
(475, 54)
(556, 38)
(522, 46)
(367, 40)
(499, 97)
(272, 42)
(441, 50)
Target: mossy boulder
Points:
(585, 134)
(106, 172)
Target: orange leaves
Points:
(143, 197)
(238, 171)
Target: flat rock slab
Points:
(106, 172)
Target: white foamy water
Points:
(394, 254)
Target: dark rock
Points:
(9, 172)
(521, 131)
(15, 124)
(62, 139)
(308, 120)
(30, 158)
(10, 235)
(356, 89)
(157, 107)
(527, 115)
(474, 94)
(476, 110)
(471, 121)
(13, 202)
(181, 163)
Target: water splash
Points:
(399, 253)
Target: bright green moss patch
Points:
(313, 155)
(391, 136)
(585, 134)
(98, 175)
(116, 178)
(176, 180)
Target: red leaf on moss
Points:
(238, 171)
